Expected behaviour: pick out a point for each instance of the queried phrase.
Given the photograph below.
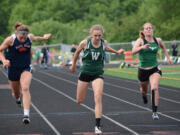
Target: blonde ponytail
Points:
(141, 34)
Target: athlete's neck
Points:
(95, 43)
(149, 38)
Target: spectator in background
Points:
(106, 55)
(38, 55)
(73, 49)
(174, 51)
(175, 48)
(44, 60)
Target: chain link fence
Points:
(60, 53)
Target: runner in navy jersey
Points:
(18, 60)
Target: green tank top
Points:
(148, 57)
(93, 59)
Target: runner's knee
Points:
(25, 89)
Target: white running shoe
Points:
(98, 130)
(26, 120)
(155, 116)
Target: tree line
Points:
(70, 20)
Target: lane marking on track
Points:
(45, 119)
(87, 107)
(118, 71)
(166, 99)
(41, 114)
(153, 125)
(91, 133)
(52, 114)
(129, 89)
(123, 79)
(5, 86)
(116, 98)
(165, 133)
(136, 82)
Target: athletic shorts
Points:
(14, 73)
(88, 78)
(143, 75)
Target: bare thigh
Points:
(25, 80)
(98, 88)
(154, 81)
(81, 90)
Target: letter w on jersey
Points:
(152, 48)
(95, 55)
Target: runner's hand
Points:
(47, 36)
(6, 63)
(120, 51)
(145, 46)
(170, 61)
(72, 68)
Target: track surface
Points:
(54, 110)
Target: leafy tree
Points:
(5, 10)
(68, 19)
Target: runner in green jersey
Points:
(148, 72)
(92, 69)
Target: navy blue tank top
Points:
(19, 54)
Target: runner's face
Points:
(148, 30)
(96, 35)
(22, 37)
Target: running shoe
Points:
(98, 130)
(46, 67)
(19, 103)
(42, 67)
(145, 100)
(155, 116)
(26, 119)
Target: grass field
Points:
(170, 77)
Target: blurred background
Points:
(70, 20)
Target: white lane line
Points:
(116, 98)
(129, 89)
(67, 96)
(41, 114)
(45, 119)
(136, 82)
(125, 80)
(166, 99)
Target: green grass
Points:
(170, 77)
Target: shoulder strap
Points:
(102, 43)
(88, 43)
(14, 36)
(155, 40)
(144, 40)
(29, 37)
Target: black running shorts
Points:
(143, 74)
(14, 73)
(88, 78)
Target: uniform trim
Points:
(145, 41)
